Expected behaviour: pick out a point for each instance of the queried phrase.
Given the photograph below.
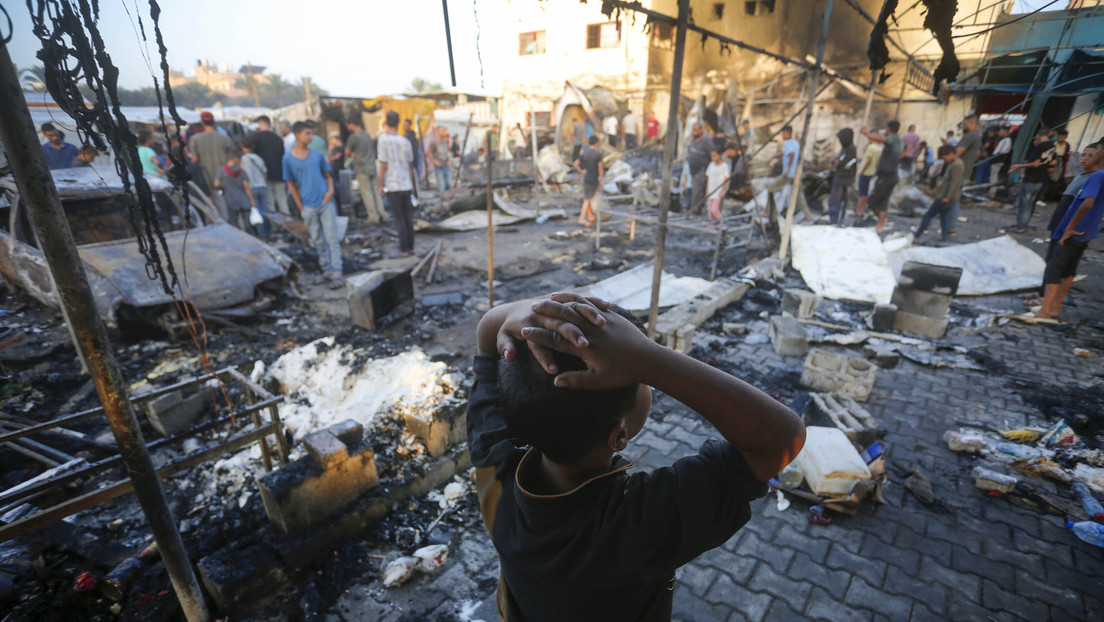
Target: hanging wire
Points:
(7, 38)
(478, 49)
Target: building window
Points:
(759, 7)
(606, 35)
(530, 43)
(718, 10)
(663, 35)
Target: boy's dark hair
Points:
(894, 126)
(355, 122)
(593, 140)
(47, 127)
(944, 150)
(263, 118)
(235, 154)
(300, 126)
(787, 128)
(144, 135)
(247, 143)
(391, 119)
(563, 424)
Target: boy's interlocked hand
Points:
(615, 351)
(561, 317)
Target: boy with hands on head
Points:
(561, 386)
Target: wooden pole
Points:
(814, 80)
(869, 100)
(668, 159)
(490, 223)
(533, 140)
(904, 85)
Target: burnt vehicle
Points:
(227, 273)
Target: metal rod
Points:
(35, 521)
(490, 222)
(814, 79)
(60, 456)
(533, 139)
(51, 226)
(463, 150)
(668, 160)
(34, 455)
(869, 99)
(448, 42)
(904, 85)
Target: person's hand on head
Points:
(562, 316)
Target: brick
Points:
(736, 567)
(372, 295)
(872, 570)
(726, 592)
(838, 373)
(302, 493)
(833, 581)
(750, 545)
(930, 277)
(799, 303)
(238, 575)
(927, 304)
(822, 606)
(920, 613)
(996, 598)
(862, 594)
(766, 580)
(349, 432)
(919, 325)
(788, 336)
(701, 307)
(882, 318)
(325, 448)
(443, 429)
(1063, 597)
(174, 412)
(805, 538)
(959, 607)
(698, 578)
(780, 612)
(687, 608)
(904, 559)
(933, 595)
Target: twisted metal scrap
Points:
(939, 20)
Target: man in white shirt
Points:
(396, 164)
(1001, 155)
(288, 136)
(610, 127)
(628, 128)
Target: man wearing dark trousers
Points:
(396, 162)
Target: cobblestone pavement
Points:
(968, 557)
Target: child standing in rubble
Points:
(716, 176)
(236, 192)
(561, 386)
(589, 165)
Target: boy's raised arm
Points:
(767, 434)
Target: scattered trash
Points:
(1093, 477)
(1082, 353)
(920, 486)
(817, 515)
(431, 557)
(782, 503)
(986, 479)
(1022, 451)
(399, 571)
(1093, 533)
(850, 417)
(1088, 501)
(1042, 467)
(830, 463)
(963, 441)
(734, 328)
(1022, 435)
(1061, 436)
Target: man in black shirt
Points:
(270, 147)
(1035, 166)
(589, 165)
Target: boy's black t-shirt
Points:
(607, 550)
(589, 161)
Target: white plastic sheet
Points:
(632, 289)
(843, 264)
(988, 267)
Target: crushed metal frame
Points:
(258, 400)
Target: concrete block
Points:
(326, 449)
(446, 428)
(349, 432)
(683, 339)
(302, 493)
(882, 357)
(882, 318)
(175, 412)
(838, 373)
(847, 415)
(734, 328)
(799, 303)
(919, 325)
(241, 576)
(930, 278)
(788, 336)
(372, 295)
(699, 308)
(920, 302)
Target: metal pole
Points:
(490, 224)
(869, 99)
(448, 42)
(55, 239)
(814, 80)
(904, 84)
(533, 140)
(668, 159)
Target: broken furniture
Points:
(258, 401)
(372, 295)
(829, 372)
(923, 297)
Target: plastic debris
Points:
(817, 515)
(963, 441)
(1093, 477)
(1060, 435)
(783, 503)
(1090, 532)
(399, 571)
(1088, 501)
(985, 479)
(830, 463)
(1082, 353)
(431, 557)
(1042, 467)
(1022, 451)
(1023, 435)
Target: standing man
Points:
(270, 148)
(697, 160)
(438, 156)
(912, 144)
(949, 192)
(844, 175)
(628, 130)
(968, 149)
(256, 173)
(791, 155)
(1001, 154)
(287, 136)
(396, 160)
(362, 149)
(416, 145)
(1061, 157)
(1035, 166)
(589, 165)
(886, 171)
(307, 174)
(653, 127)
(578, 135)
(211, 150)
(1080, 226)
(746, 135)
(59, 154)
(869, 164)
(610, 127)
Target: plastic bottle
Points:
(1020, 451)
(791, 476)
(1088, 501)
(1090, 532)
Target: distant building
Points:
(220, 80)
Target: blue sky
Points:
(349, 47)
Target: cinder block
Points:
(799, 303)
(349, 432)
(838, 373)
(326, 449)
(302, 493)
(920, 302)
(372, 295)
(919, 325)
(699, 308)
(175, 412)
(240, 577)
(446, 428)
(882, 318)
(682, 339)
(886, 359)
(734, 328)
(788, 336)
(930, 278)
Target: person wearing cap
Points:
(211, 150)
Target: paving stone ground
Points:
(969, 557)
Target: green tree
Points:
(421, 85)
(32, 78)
